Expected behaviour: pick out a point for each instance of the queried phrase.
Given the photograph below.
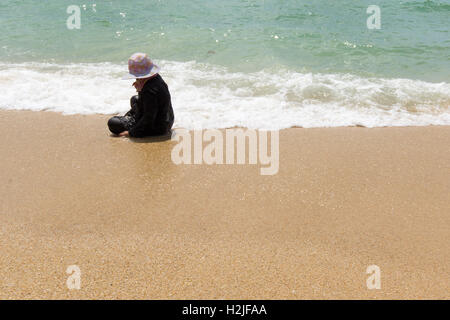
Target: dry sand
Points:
(140, 227)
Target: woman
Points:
(151, 111)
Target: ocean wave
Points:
(209, 96)
(427, 6)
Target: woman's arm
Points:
(150, 108)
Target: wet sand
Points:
(140, 227)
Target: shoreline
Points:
(107, 116)
(141, 227)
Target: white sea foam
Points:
(207, 96)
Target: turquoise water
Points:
(283, 37)
(313, 36)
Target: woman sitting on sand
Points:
(151, 111)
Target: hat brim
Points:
(152, 72)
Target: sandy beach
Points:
(140, 227)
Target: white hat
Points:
(140, 66)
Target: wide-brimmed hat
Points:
(140, 66)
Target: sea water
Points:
(267, 64)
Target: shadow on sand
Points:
(151, 139)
